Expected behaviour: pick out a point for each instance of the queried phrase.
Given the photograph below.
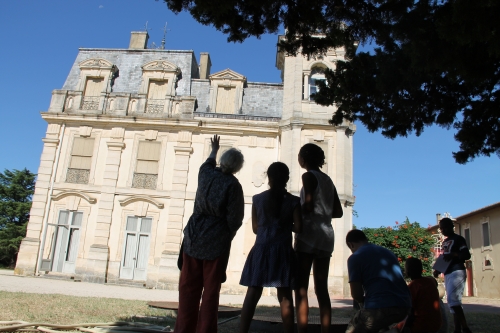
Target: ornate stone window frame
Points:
(156, 70)
(227, 78)
(92, 68)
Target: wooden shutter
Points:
(148, 156)
(157, 89)
(81, 155)
(225, 100)
(93, 86)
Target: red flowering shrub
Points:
(405, 240)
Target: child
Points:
(271, 262)
(314, 246)
(425, 314)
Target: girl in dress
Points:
(314, 246)
(271, 262)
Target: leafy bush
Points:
(405, 240)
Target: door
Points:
(136, 248)
(67, 240)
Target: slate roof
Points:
(259, 99)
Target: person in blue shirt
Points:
(377, 284)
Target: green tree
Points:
(16, 190)
(405, 240)
(437, 61)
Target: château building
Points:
(126, 135)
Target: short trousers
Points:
(303, 247)
(454, 283)
(374, 320)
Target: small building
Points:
(126, 135)
(481, 230)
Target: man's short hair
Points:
(231, 161)
(413, 266)
(355, 236)
(446, 222)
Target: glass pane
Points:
(129, 257)
(77, 219)
(74, 237)
(146, 225)
(63, 217)
(142, 255)
(467, 237)
(486, 234)
(132, 223)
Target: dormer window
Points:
(226, 92)
(93, 89)
(157, 90)
(96, 78)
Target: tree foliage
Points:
(405, 240)
(16, 190)
(437, 61)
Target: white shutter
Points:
(73, 241)
(225, 100)
(130, 248)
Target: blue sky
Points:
(393, 179)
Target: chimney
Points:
(138, 40)
(438, 218)
(205, 65)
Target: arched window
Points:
(317, 74)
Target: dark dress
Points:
(272, 262)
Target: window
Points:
(486, 234)
(146, 170)
(63, 240)
(81, 158)
(157, 91)
(317, 74)
(135, 256)
(467, 237)
(225, 99)
(92, 93)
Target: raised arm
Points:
(215, 146)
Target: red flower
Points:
(397, 246)
(399, 259)
(409, 256)
(396, 237)
(376, 235)
(420, 240)
(414, 248)
(423, 271)
(397, 222)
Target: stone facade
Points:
(125, 138)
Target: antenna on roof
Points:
(146, 27)
(163, 41)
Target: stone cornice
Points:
(52, 141)
(125, 202)
(178, 149)
(114, 144)
(82, 195)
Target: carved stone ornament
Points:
(258, 174)
(96, 63)
(144, 180)
(227, 74)
(161, 65)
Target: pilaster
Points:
(96, 268)
(30, 245)
(169, 272)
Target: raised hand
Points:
(215, 142)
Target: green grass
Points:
(62, 309)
